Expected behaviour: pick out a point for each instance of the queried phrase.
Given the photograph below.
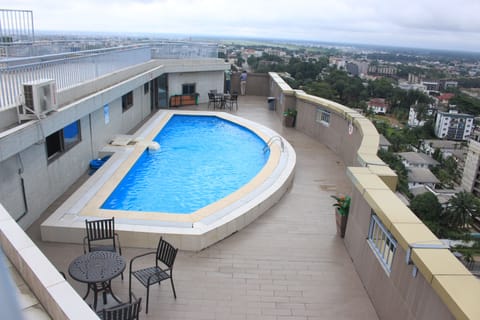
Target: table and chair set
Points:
(102, 262)
(223, 100)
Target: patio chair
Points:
(215, 99)
(233, 100)
(123, 311)
(101, 236)
(165, 254)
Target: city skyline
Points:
(423, 24)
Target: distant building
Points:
(447, 84)
(417, 160)
(412, 116)
(377, 105)
(352, 68)
(447, 147)
(453, 126)
(384, 70)
(431, 87)
(471, 170)
(444, 98)
(421, 177)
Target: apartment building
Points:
(453, 125)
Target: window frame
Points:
(189, 88)
(322, 116)
(57, 144)
(383, 245)
(127, 101)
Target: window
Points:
(382, 243)
(322, 116)
(63, 140)
(146, 88)
(127, 101)
(188, 88)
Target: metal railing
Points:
(72, 68)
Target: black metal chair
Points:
(165, 254)
(124, 311)
(215, 99)
(233, 100)
(101, 236)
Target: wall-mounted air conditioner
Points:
(39, 98)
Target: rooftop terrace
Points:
(288, 264)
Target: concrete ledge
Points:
(55, 294)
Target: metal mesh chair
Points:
(163, 257)
(124, 311)
(101, 236)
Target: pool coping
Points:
(188, 232)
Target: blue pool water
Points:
(201, 160)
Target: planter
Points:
(341, 222)
(289, 121)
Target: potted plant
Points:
(342, 207)
(289, 117)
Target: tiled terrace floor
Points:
(288, 264)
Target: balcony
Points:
(289, 263)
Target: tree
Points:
(426, 207)
(460, 210)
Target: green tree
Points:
(460, 210)
(426, 207)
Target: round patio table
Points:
(97, 269)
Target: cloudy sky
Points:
(438, 24)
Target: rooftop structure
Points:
(417, 159)
(287, 261)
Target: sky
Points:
(435, 24)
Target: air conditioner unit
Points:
(39, 98)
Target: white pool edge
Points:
(66, 225)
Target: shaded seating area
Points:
(161, 269)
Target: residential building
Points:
(471, 170)
(377, 105)
(453, 125)
(412, 159)
(421, 177)
(413, 120)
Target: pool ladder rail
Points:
(271, 141)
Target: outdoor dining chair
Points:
(164, 257)
(124, 311)
(233, 100)
(101, 236)
(214, 99)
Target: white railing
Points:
(73, 68)
(67, 69)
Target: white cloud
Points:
(433, 23)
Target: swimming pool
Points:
(194, 231)
(201, 160)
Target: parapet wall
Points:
(425, 280)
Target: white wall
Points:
(204, 81)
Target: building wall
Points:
(470, 182)
(23, 152)
(257, 84)
(204, 82)
(433, 284)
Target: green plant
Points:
(290, 113)
(343, 204)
